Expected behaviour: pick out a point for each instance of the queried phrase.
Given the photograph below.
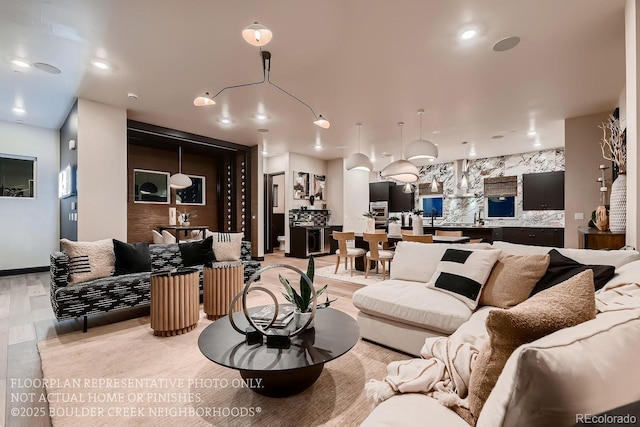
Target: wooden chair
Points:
(425, 238)
(345, 252)
(406, 233)
(449, 233)
(376, 254)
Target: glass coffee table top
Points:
(281, 371)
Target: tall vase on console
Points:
(371, 222)
(618, 205)
(418, 229)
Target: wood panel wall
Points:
(144, 217)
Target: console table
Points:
(592, 238)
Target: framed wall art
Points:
(195, 194)
(300, 185)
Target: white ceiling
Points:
(370, 61)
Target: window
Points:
(17, 176)
(501, 207)
(432, 206)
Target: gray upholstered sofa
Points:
(118, 292)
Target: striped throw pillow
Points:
(89, 260)
(226, 246)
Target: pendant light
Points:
(408, 188)
(421, 151)
(358, 161)
(179, 180)
(257, 34)
(434, 185)
(401, 170)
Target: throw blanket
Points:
(443, 372)
(622, 296)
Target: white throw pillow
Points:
(89, 260)
(462, 273)
(227, 246)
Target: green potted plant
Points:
(371, 221)
(304, 299)
(395, 229)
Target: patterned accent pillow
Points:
(89, 260)
(165, 256)
(462, 274)
(226, 246)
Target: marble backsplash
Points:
(461, 210)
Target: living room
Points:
(480, 105)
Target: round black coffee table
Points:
(280, 372)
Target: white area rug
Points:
(345, 275)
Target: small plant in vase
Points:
(395, 229)
(371, 221)
(303, 301)
(417, 224)
(185, 218)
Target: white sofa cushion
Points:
(413, 409)
(418, 261)
(463, 273)
(628, 273)
(413, 304)
(589, 368)
(617, 258)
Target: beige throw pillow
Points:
(227, 246)
(565, 305)
(512, 279)
(89, 260)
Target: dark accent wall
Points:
(69, 131)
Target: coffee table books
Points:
(265, 314)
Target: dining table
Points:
(187, 230)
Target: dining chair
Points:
(345, 252)
(376, 254)
(424, 238)
(168, 237)
(406, 233)
(157, 237)
(449, 233)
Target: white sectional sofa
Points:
(591, 367)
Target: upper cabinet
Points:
(400, 201)
(379, 191)
(543, 191)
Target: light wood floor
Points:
(26, 317)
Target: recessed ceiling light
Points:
(468, 34)
(101, 65)
(506, 44)
(261, 116)
(435, 132)
(464, 142)
(432, 160)
(19, 110)
(132, 95)
(265, 152)
(47, 68)
(532, 133)
(20, 63)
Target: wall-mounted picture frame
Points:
(318, 187)
(300, 185)
(194, 194)
(17, 176)
(150, 186)
(66, 182)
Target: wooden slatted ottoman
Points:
(175, 302)
(222, 282)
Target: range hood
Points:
(461, 179)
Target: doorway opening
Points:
(274, 215)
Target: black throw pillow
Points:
(198, 252)
(131, 258)
(562, 268)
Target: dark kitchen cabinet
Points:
(536, 236)
(379, 191)
(543, 191)
(399, 201)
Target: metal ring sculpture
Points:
(247, 289)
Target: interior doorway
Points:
(274, 215)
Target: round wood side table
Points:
(222, 281)
(175, 302)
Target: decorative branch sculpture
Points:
(614, 147)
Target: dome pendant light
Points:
(359, 161)
(421, 151)
(401, 170)
(257, 34)
(179, 180)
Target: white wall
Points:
(30, 227)
(632, 113)
(102, 171)
(335, 190)
(356, 200)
